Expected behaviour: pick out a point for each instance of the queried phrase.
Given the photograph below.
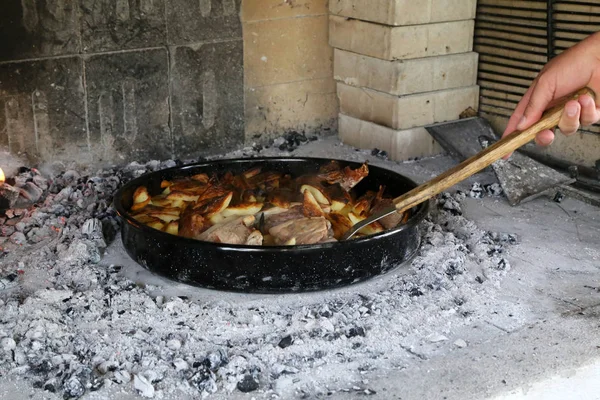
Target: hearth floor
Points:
(534, 330)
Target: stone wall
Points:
(97, 81)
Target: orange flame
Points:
(2, 177)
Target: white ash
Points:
(72, 326)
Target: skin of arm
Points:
(575, 68)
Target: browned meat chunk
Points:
(192, 225)
(235, 231)
(392, 220)
(255, 239)
(301, 231)
(272, 220)
(347, 178)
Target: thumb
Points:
(541, 96)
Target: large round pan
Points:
(277, 269)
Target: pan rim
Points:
(416, 218)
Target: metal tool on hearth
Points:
(481, 160)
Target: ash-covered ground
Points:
(77, 319)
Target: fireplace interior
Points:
(499, 301)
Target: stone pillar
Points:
(401, 65)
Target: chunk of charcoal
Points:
(503, 264)
(559, 197)
(51, 385)
(415, 292)
(287, 341)
(476, 191)
(479, 279)
(216, 359)
(355, 331)
(248, 383)
(493, 189)
(379, 153)
(73, 388)
(204, 380)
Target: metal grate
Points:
(515, 39)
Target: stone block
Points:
(122, 24)
(42, 109)
(400, 145)
(128, 106)
(400, 42)
(307, 105)
(258, 10)
(406, 77)
(208, 98)
(287, 50)
(404, 112)
(31, 28)
(200, 20)
(404, 12)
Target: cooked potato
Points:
(317, 192)
(370, 229)
(172, 228)
(339, 223)
(242, 209)
(310, 207)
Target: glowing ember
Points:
(2, 177)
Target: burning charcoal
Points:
(249, 383)
(73, 388)
(40, 182)
(143, 386)
(6, 230)
(450, 204)
(51, 385)
(559, 197)
(415, 292)
(503, 264)
(287, 341)
(18, 238)
(8, 196)
(476, 191)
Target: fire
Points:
(2, 177)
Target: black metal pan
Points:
(277, 269)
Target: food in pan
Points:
(264, 208)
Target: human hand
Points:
(575, 68)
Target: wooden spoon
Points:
(462, 171)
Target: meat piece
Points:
(390, 221)
(303, 231)
(191, 225)
(347, 178)
(235, 231)
(274, 219)
(255, 239)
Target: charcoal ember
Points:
(493, 189)
(379, 153)
(18, 238)
(7, 230)
(415, 292)
(215, 360)
(558, 197)
(477, 191)
(73, 388)
(51, 385)
(248, 383)
(503, 264)
(92, 229)
(8, 196)
(450, 204)
(70, 177)
(291, 141)
(40, 182)
(356, 331)
(286, 341)
(454, 268)
(204, 380)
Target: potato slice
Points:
(242, 209)
(317, 192)
(202, 178)
(339, 223)
(291, 242)
(215, 205)
(166, 217)
(252, 172)
(165, 184)
(183, 196)
(141, 195)
(310, 207)
(370, 229)
(141, 205)
(364, 203)
(157, 224)
(172, 228)
(144, 218)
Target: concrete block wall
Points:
(103, 81)
(401, 65)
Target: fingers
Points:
(589, 112)
(544, 138)
(518, 113)
(542, 94)
(569, 121)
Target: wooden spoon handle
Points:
(504, 146)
